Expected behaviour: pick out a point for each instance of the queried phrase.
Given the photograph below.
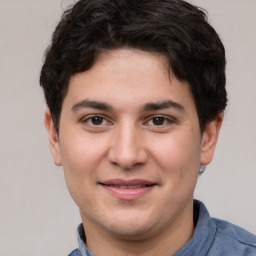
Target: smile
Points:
(128, 190)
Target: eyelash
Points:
(88, 120)
(102, 119)
(165, 119)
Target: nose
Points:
(127, 148)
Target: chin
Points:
(131, 233)
(130, 228)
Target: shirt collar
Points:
(204, 233)
(81, 238)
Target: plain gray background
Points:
(37, 215)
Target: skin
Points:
(113, 125)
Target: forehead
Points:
(131, 77)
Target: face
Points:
(130, 144)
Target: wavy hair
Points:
(174, 28)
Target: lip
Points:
(128, 189)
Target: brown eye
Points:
(96, 123)
(97, 120)
(158, 120)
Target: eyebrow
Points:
(162, 105)
(147, 107)
(92, 104)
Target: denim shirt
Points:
(212, 237)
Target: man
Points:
(136, 93)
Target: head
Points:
(135, 91)
(174, 28)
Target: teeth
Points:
(129, 187)
(137, 186)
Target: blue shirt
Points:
(212, 237)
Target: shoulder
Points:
(234, 238)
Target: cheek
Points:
(82, 153)
(179, 153)
(80, 161)
(81, 157)
(178, 157)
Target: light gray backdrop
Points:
(37, 216)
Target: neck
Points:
(164, 243)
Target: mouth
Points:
(128, 189)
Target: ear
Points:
(209, 139)
(53, 138)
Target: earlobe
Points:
(209, 139)
(53, 138)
